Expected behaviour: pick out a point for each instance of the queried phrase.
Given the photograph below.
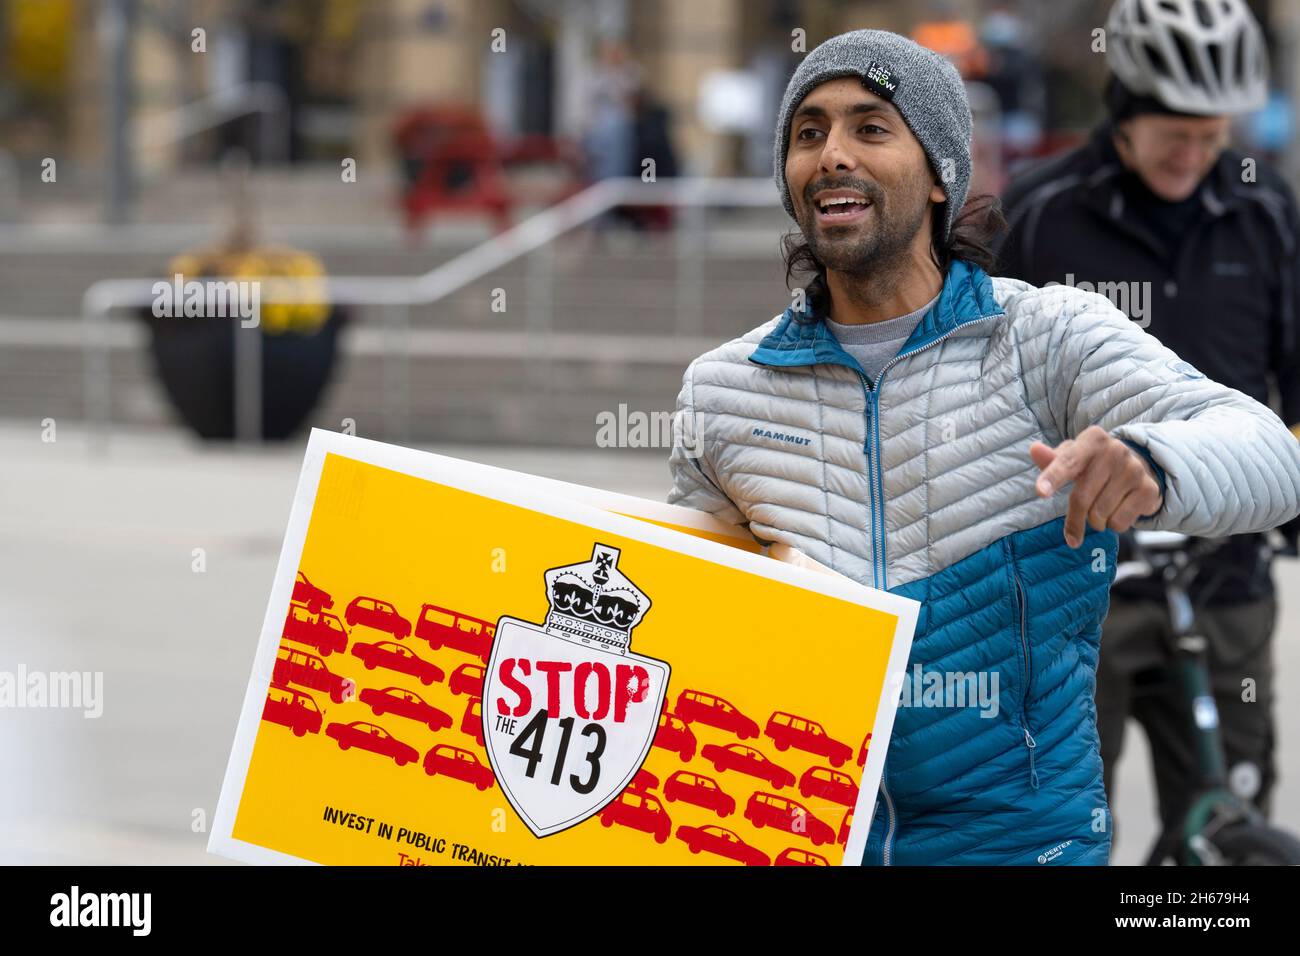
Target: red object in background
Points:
(782, 813)
(674, 735)
(395, 657)
(405, 703)
(445, 628)
(747, 760)
(793, 856)
(722, 842)
(293, 709)
(790, 730)
(472, 722)
(862, 751)
(700, 790)
(378, 614)
(644, 780)
(293, 666)
(372, 737)
(467, 679)
(457, 763)
(640, 811)
(321, 630)
(714, 711)
(828, 784)
(452, 162)
(304, 592)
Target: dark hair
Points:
(975, 229)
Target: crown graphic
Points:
(594, 602)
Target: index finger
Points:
(1065, 467)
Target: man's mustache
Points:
(871, 190)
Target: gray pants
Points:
(1132, 681)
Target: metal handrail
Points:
(400, 293)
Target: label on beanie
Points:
(881, 80)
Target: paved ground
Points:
(96, 574)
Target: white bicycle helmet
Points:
(1195, 56)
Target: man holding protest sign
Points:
(914, 424)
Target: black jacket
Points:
(1215, 278)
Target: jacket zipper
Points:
(872, 396)
(1030, 743)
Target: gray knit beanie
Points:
(924, 86)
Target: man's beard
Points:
(883, 246)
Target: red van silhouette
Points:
(745, 759)
(789, 730)
(472, 722)
(293, 709)
(461, 764)
(782, 813)
(372, 737)
(674, 735)
(321, 630)
(405, 703)
(640, 811)
(827, 784)
(700, 790)
(378, 614)
(293, 666)
(467, 679)
(644, 780)
(844, 827)
(304, 592)
(722, 842)
(862, 751)
(444, 628)
(793, 856)
(714, 711)
(396, 657)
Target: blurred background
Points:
(525, 214)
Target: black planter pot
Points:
(194, 358)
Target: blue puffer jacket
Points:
(921, 483)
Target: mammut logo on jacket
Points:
(781, 436)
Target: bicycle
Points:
(1219, 828)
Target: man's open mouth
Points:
(841, 208)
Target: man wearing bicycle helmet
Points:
(1198, 244)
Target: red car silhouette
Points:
(782, 813)
(293, 666)
(304, 592)
(467, 679)
(828, 784)
(460, 764)
(844, 827)
(372, 737)
(862, 751)
(405, 703)
(722, 842)
(472, 722)
(789, 730)
(793, 856)
(700, 790)
(674, 735)
(378, 614)
(640, 811)
(395, 657)
(747, 760)
(321, 630)
(714, 711)
(644, 780)
(444, 628)
(293, 709)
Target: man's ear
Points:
(937, 195)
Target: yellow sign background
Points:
(761, 644)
